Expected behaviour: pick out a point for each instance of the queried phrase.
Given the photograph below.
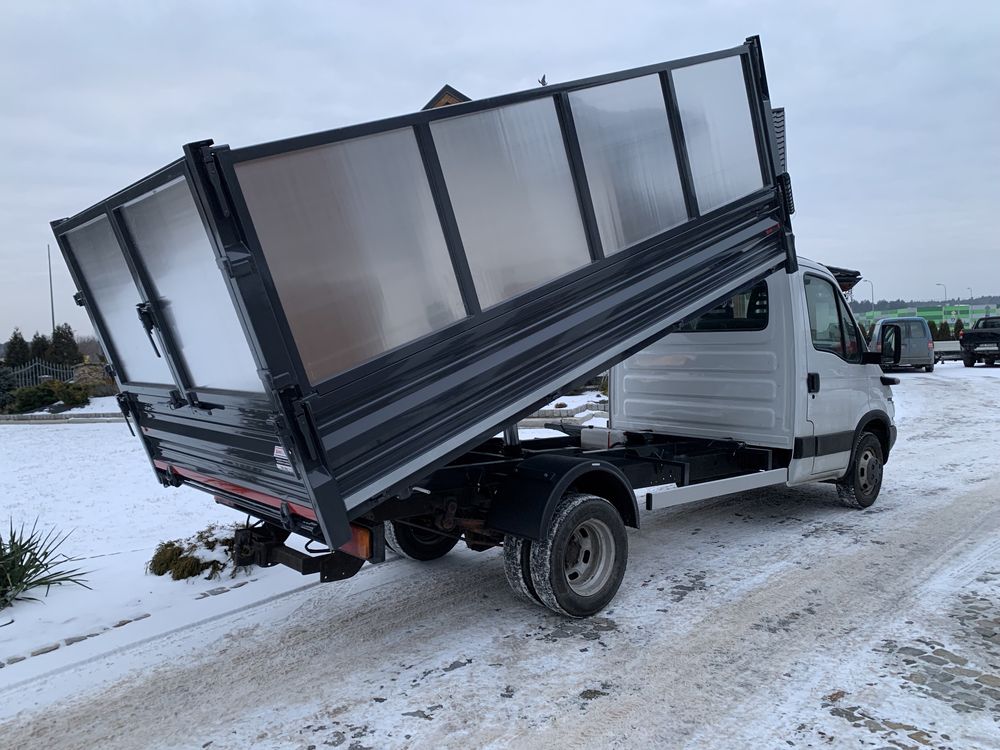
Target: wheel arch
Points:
(879, 424)
(527, 499)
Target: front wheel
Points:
(968, 361)
(417, 543)
(577, 568)
(861, 484)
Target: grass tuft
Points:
(31, 560)
(196, 555)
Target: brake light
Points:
(961, 334)
(930, 345)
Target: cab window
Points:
(747, 310)
(830, 325)
(852, 337)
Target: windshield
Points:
(987, 323)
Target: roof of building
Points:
(447, 95)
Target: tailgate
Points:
(149, 275)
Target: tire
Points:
(990, 362)
(929, 368)
(968, 361)
(417, 543)
(577, 568)
(861, 484)
(517, 568)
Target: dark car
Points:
(981, 343)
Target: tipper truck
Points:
(336, 334)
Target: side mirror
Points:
(890, 341)
(887, 348)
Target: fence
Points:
(38, 370)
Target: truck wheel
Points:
(968, 361)
(861, 484)
(579, 565)
(417, 543)
(990, 362)
(517, 568)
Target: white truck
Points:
(327, 332)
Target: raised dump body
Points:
(309, 327)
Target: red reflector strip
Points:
(236, 489)
(360, 544)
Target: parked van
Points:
(917, 345)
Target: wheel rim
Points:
(869, 471)
(590, 557)
(424, 537)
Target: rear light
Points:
(360, 544)
(930, 345)
(961, 334)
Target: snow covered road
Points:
(772, 619)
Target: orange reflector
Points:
(360, 544)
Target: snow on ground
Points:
(772, 619)
(578, 400)
(97, 405)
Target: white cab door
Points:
(836, 381)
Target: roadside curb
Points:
(60, 418)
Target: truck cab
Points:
(781, 364)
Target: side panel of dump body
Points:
(407, 287)
(444, 273)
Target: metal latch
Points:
(126, 408)
(145, 311)
(79, 299)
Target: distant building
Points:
(447, 95)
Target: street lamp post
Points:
(944, 300)
(970, 304)
(873, 297)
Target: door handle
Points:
(812, 382)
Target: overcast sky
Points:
(893, 107)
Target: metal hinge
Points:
(79, 299)
(236, 264)
(308, 435)
(110, 371)
(215, 179)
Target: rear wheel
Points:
(577, 568)
(990, 361)
(968, 361)
(860, 486)
(517, 568)
(929, 368)
(417, 543)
